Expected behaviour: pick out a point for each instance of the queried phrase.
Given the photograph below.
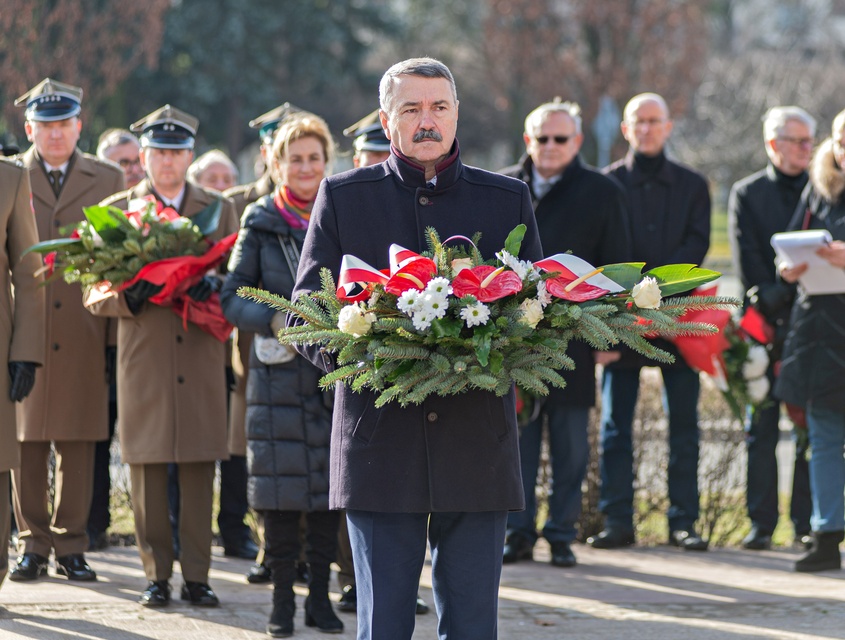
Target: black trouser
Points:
(233, 502)
(99, 517)
(282, 544)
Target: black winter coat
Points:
(583, 212)
(288, 422)
(813, 364)
(456, 453)
(758, 207)
(669, 217)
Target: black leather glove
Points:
(203, 289)
(22, 379)
(111, 365)
(138, 293)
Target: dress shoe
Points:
(348, 599)
(199, 594)
(30, 566)
(74, 567)
(157, 594)
(687, 540)
(258, 574)
(245, 549)
(517, 547)
(612, 538)
(422, 606)
(757, 540)
(562, 555)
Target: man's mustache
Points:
(427, 134)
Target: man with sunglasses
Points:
(761, 205)
(580, 210)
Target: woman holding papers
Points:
(813, 367)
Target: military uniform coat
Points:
(456, 453)
(21, 313)
(171, 385)
(70, 398)
(242, 196)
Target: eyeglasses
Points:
(557, 139)
(801, 142)
(650, 123)
(126, 162)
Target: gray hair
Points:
(775, 120)
(424, 67)
(112, 138)
(635, 102)
(534, 121)
(215, 156)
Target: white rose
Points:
(532, 312)
(758, 389)
(181, 223)
(756, 363)
(646, 293)
(459, 264)
(355, 321)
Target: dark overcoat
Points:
(583, 212)
(456, 453)
(669, 218)
(759, 206)
(288, 419)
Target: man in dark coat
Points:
(761, 205)
(449, 465)
(580, 210)
(669, 212)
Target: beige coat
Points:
(21, 312)
(70, 398)
(171, 386)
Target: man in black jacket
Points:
(448, 466)
(761, 205)
(580, 210)
(669, 212)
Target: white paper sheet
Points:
(797, 247)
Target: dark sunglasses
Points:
(557, 139)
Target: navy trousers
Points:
(466, 563)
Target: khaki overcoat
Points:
(21, 297)
(70, 398)
(171, 385)
(242, 196)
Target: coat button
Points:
(423, 200)
(55, 346)
(57, 304)
(180, 379)
(432, 417)
(179, 339)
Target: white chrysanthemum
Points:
(439, 286)
(532, 312)
(543, 294)
(758, 389)
(410, 301)
(421, 320)
(475, 314)
(434, 305)
(519, 267)
(355, 320)
(756, 362)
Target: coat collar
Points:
(81, 176)
(413, 175)
(573, 169)
(196, 198)
(637, 176)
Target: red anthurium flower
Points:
(414, 275)
(560, 286)
(486, 283)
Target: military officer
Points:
(371, 145)
(22, 339)
(170, 380)
(69, 403)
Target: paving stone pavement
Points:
(653, 593)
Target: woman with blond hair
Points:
(288, 420)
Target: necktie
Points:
(56, 181)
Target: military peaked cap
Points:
(167, 128)
(368, 134)
(51, 100)
(267, 123)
